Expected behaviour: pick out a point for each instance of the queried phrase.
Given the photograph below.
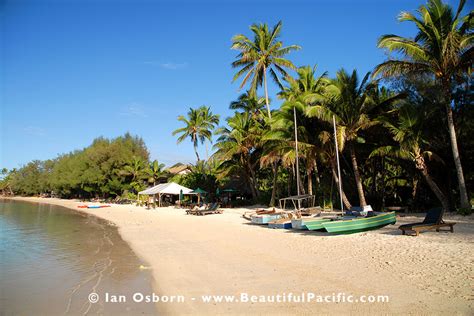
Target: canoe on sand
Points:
(360, 224)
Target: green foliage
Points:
(265, 52)
(105, 168)
(464, 211)
(199, 125)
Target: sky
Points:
(71, 70)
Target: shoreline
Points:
(223, 255)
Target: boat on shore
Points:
(315, 223)
(359, 224)
(281, 223)
(264, 219)
(93, 206)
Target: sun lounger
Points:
(194, 210)
(213, 209)
(433, 220)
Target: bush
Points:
(465, 211)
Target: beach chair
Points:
(213, 209)
(193, 210)
(433, 220)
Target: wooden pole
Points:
(297, 160)
(338, 167)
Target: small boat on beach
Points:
(93, 206)
(248, 215)
(359, 224)
(315, 223)
(264, 219)
(300, 223)
(281, 223)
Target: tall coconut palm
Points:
(212, 120)
(350, 108)
(238, 148)
(199, 125)
(443, 48)
(261, 55)
(350, 101)
(408, 131)
(299, 94)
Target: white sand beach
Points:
(224, 255)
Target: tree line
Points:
(398, 127)
(106, 169)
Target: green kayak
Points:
(360, 224)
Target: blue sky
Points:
(76, 70)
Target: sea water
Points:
(53, 258)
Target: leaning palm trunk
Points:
(345, 200)
(360, 189)
(421, 165)
(454, 147)
(266, 91)
(252, 180)
(195, 147)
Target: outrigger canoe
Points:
(360, 224)
(316, 224)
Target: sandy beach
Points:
(224, 255)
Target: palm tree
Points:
(350, 108)
(239, 146)
(265, 53)
(354, 106)
(299, 94)
(136, 169)
(198, 126)
(155, 171)
(249, 102)
(408, 132)
(443, 48)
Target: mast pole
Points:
(297, 160)
(338, 166)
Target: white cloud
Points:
(34, 131)
(134, 109)
(167, 65)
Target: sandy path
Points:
(224, 255)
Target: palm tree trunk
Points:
(360, 189)
(275, 174)
(266, 91)
(436, 190)
(310, 182)
(195, 150)
(457, 160)
(345, 201)
(253, 180)
(302, 190)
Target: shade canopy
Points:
(199, 191)
(166, 188)
(230, 190)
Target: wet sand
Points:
(224, 255)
